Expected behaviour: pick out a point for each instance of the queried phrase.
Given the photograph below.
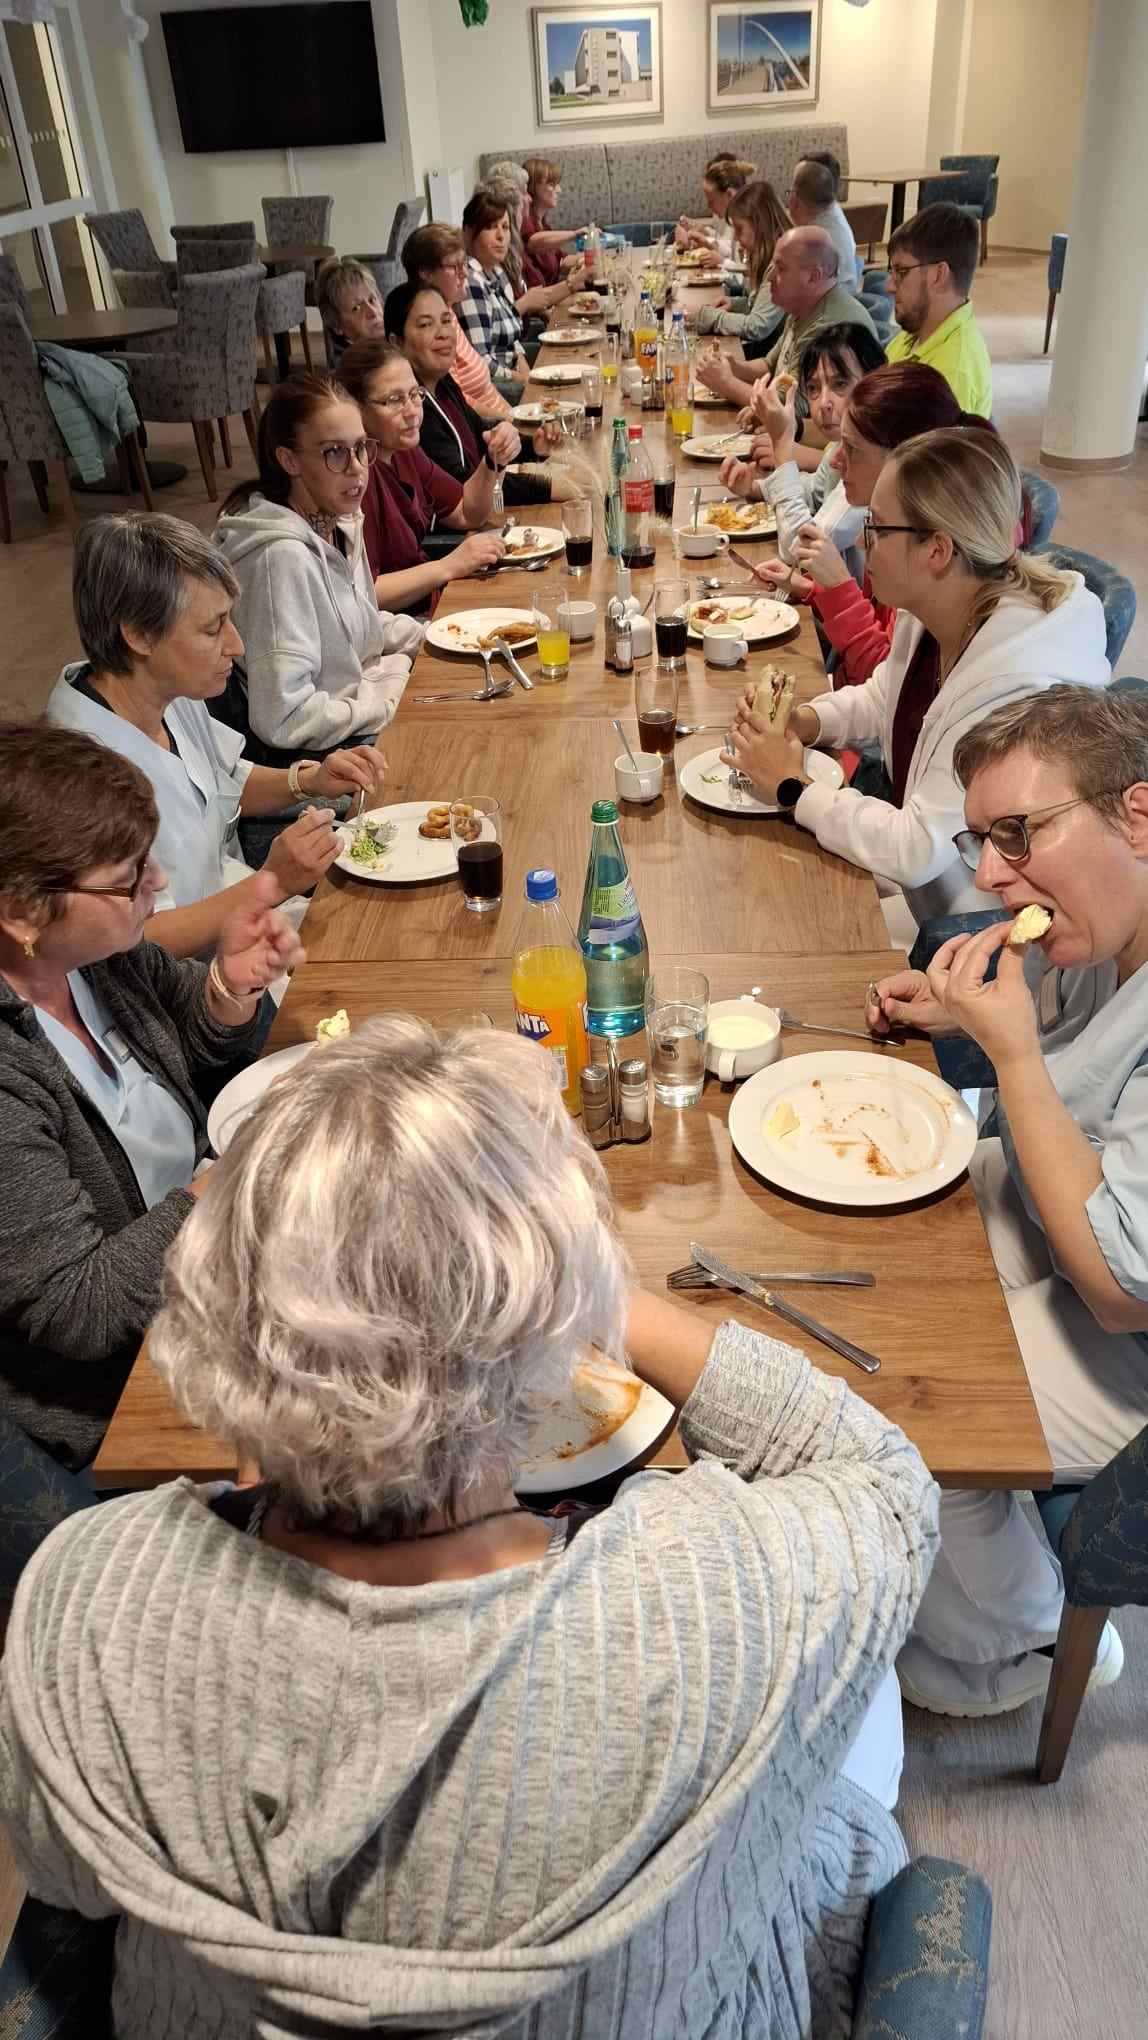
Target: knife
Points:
(501, 648)
(748, 1287)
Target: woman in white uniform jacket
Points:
(980, 625)
(153, 601)
(1056, 800)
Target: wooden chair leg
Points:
(305, 337)
(225, 440)
(202, 431)
(984, 240)
(39, 475)
(58, 470)
(138, 468)
(250, 425)
(1048, 321)
(5, 512)
(269, 359)
(1076, 1647)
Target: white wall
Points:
(876, 66)
(1024, 100)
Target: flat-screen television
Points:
(289, 77)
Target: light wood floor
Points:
(1068, 1864)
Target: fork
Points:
(789, 1019)
(693, 1277)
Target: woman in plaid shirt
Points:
(486, 312)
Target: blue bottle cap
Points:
(541, 885)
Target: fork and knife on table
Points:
(706, 1271)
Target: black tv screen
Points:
(292, 77)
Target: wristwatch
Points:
(789, 792)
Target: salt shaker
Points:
(619, 636)
(634, 1098)
(597, 1110)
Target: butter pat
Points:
(782, 1120)
(334, 1027)
(1030, 924)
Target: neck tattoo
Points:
(322, 522)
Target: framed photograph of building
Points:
(763, 53)
(594, 65)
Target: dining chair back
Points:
(1043, 505)
(288, 220)
(1112, 588)
(387, 268)
(867, 220)
(281, 309)
(12, 285)
(207, 370)
(224, 230)
(28, 430)
(124, 239)
(1057, 252)
(199, 258)
(976, 191)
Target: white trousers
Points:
(995, 1589)
(877, 1751)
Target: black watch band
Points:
(789, 792)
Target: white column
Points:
(1102, 317)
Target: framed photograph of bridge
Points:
(763, 54)
(594, 66)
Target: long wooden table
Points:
(750, 902)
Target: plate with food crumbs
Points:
(562, 371)
(715, 446)
(705, 779)
(534, 541)
(740, 519)
(758, 619)
(608, 1419)
(238, 1099)
(473, 631)
(571, 336)
(399, 845)
(848, 1127)
(547, 412)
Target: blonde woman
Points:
(757, 219)
(980, 624)
(544, 243)
(724, 177)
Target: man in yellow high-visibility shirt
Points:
(932, 263)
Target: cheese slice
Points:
(334, 1027)
(782, 1120)
(1031, 923)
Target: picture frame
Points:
(762, 55)
(596, 66)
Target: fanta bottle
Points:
(549, 986)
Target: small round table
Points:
(97, 329)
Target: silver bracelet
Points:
(217, 983)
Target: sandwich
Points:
(1031, 923)
(333, 1028)
(775, 691)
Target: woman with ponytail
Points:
(979, 624)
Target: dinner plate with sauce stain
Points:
(608, 1420)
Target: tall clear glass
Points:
(677, 1014)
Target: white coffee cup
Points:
(583, 619)
(645, 783)
(741, 1037)
(723, 644)
(701, 544)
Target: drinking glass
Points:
(552, 623)
(578, 526)
(608, 356)
(671, 624)
(677, 1015)
(592, 396)
(664, 479)
(476, 834)
(657, 705)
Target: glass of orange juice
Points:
(608, 357)
(552, 623)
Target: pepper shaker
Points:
(597, 1109)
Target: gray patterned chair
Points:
(1057, 253)
(124, 239)
(281, 309)
(387, 269)
(198, 258)
(224, 230)
(1112, 588)
(208, 370)
(28, 431)
(288, 220)
(12, 286)
(975, 192)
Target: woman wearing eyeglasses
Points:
(1055, 815)
(980, 624)
(408, 493)
(103, 1039)
(325, 665)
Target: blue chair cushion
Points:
(1112, 588)
(961, 1062)
(35, 1494)
(1044, 505)
(1057, 250)
(925, 1967)
(56, 1978)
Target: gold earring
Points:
(29, 946)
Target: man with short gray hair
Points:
(803, 280)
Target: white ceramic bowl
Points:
(701, 544)
(743, 1016)
(645, 783)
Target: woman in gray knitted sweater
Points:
(371, 1748)
(102, 1038)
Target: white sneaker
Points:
(945, 1686)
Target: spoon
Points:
(626, 741)
(697, 504)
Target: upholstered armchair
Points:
(387, 268)
(223, 230)
(125, 241)
(288, 220)
(1057, 254)
(281, 309)
(1113, 589)
(976, 191)
(12, 286)
(28, 430)
(200, 257)
(1044, 506)
(208, 371)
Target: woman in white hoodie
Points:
(980, 624)
(325, 666)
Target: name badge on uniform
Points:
(1049, 1002)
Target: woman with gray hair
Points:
(153, 600)
(369, 1745)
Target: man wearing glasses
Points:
(932, 263)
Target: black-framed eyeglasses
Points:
(1010, 835)
(109, 892)
(337, 456)
(899, 272)
(871, 530)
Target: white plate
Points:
(871, 1131)
(543, 540)
(461, 632)
(571, 336)
(769, 620)
(692, 278)
(716, 446)
(706, 397)
(239, 1098)
(533, 414)
(567, 1450)
(410, 858)
(764, 523)
(715, 793)
(562, 371)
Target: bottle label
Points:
(613, 913)
(638, 495)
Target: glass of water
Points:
(677, 1013)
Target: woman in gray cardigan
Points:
(370, 1747)
(102, 1038)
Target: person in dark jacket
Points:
(102, 1040)
(454, 434)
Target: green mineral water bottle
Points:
(619, 462)
(610, 933)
